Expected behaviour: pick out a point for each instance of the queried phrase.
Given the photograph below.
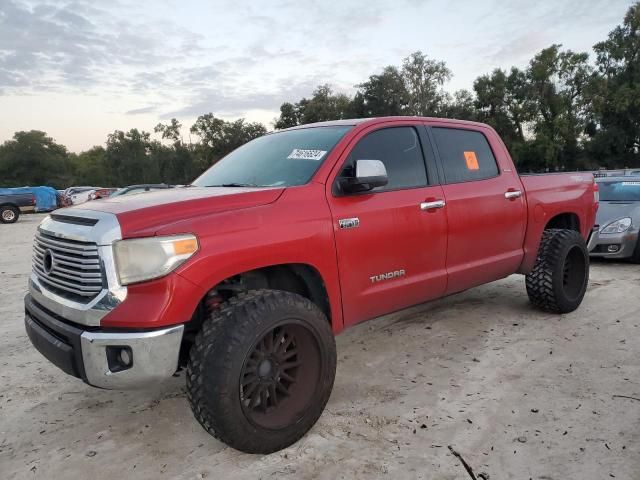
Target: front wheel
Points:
(559, 278)
(261, 370)
(9, 214)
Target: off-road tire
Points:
(560, 276)
(9, 214)
(218, 361)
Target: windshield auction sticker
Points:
(299, 154)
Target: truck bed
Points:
(550, 195)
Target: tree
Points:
(322, 106)
(33, 158)
(557, 82)
(170, 131)
(383, 94)
(89, 167)
(127, 158)
(615, 95)
(462, 106)
(289, 116)
(424, 80)
(219, 137)
(503, 101)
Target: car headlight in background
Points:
(618, 226)
(140, 259)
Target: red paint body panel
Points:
(486, 231)
(553, 194)
(393, 234)
(141, 215)
(158, 303)
(480, 236)
(296, 229)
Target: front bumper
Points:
(94, 355)
(624, 243)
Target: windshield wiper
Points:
(235, 185)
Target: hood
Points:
(144, 211)
(610, 211)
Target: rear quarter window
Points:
(465, 155)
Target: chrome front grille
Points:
(69, 268)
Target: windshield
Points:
(620, 191)
(118, 192)
(281, 159)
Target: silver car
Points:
(618, 219)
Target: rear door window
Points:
(465, 155)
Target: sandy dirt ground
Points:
(518, 393)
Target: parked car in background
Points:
(618, 219)
(11, 205)
(46, 197)
(99, 193)
(133, 189)
(77, 195)
(616, 173)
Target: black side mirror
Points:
(369, 175)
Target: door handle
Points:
(512, 194)
(432, 205)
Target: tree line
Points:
(563, 111)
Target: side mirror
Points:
(369, 175)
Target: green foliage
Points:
(615, 95)
(424, 80)
(559, 113)
(33, 158)
(382, 95)
(219, 137)
(323, 105)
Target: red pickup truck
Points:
(245, 276)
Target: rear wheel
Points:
(559, 278)
(9, 214)
(261, 370)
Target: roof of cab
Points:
(374, 120)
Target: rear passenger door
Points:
(391, 252)
(484, 205)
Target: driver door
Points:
(391, 250)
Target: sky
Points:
(81, 69)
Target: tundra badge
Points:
(387, 276)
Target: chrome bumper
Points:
(154, 357)
(95, 356)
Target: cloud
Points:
(78, 46)
(517, 16)
(140, 111)
(183, 58)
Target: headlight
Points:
(618, 226)
(141, 259)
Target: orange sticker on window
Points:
(472, 160)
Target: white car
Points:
(77, 195)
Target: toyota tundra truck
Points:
(244, 277)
